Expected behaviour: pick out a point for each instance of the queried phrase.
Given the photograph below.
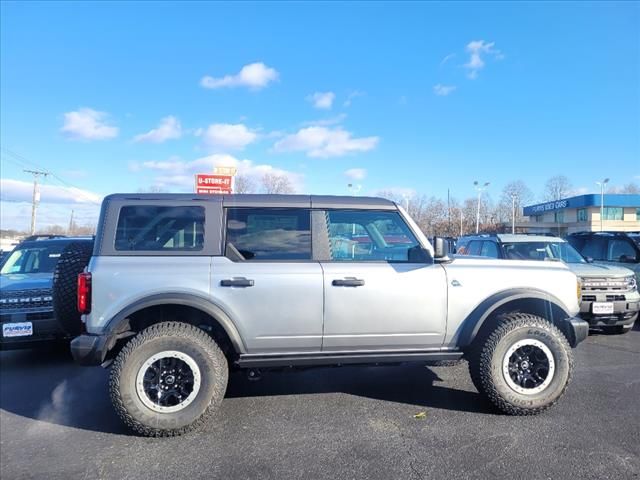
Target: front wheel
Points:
(168, 379)
(523, 366)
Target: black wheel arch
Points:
(523, 300)
(129, 319)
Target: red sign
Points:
(206, 183)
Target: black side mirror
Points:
(440, 249)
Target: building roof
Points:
(584, 201)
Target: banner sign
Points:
(212, 184)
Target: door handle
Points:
(348, 282)
(236, 282)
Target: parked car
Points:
(611, 248)
(26, 294)
(610, 298)
(181, 286)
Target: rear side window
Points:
(158, 228)
(474, 247)
(268, 234)
(489, 249)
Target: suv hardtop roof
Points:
(606, 232)
(515, 238)
(47, 241)
(261, 200)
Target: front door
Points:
(267, 282)
(375, 297)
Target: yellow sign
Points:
(225, 170)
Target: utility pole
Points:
(513, 213)
(602, 187)
(480, 189)
(36, 196)
(71, 224)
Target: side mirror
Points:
(589, 259)
(440, 249)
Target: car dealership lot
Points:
(349, 422)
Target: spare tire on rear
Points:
(73, 259)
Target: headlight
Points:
(631, 283)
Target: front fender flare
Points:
(554, 310)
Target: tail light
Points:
(84, 293)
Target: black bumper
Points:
(46, 330)
(575, 329)
(91, 349)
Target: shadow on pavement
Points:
(46, 385)
(412, 384)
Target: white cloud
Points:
(56, 203)
(351, 96)
(476, 49)
(355, 173)
(88, 124)
(21, 191)
(178, 175)
(325, 142)
(322, 100)
(168, 129)
(443, 90)
(227, 136)
(325, 122)
(255, 76)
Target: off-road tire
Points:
(487, 356)
(175, 336)
(73, 259)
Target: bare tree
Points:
(522, 196)
(153, 189)
(557, 188)
(243, 184)
(276, 183)
(629, 188)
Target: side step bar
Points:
(316, 359)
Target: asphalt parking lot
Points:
(351, 422)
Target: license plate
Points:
(602, 308)
(22, 329)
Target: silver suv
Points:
(610, 298)
(181, 287)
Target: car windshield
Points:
(542, 251)
(40, 258)
(635, 237)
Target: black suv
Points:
(613, 248)
(26, 293)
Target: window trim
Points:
(225, 214)
(324, 213)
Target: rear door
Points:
(377, 296)
(267, 281)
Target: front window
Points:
(33, 258)
(583, 215)
(542, 251)
(612, 213)
(621, 250)
(369, 236)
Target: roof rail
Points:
(31, 238)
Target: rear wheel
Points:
(168, 380)
(524, 366)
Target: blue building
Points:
(621, 213)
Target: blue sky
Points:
(421, 97)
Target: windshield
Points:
(635, 237)
(542, 251)
(33, 259)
